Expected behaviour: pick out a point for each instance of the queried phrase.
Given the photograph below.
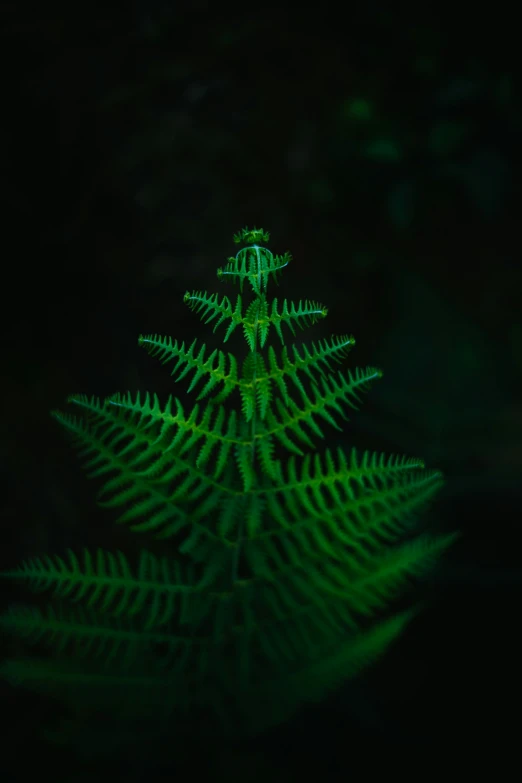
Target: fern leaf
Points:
(279, 565)
(302, 315)
(217, 368)
(83, 633)
(255, 265)
(107, 583)
(287, 424)
(211, 308)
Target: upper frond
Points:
(254, 264)
(251, 236)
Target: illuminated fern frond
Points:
(253, 263)
(214, 370)
(159, 460)
(210, 308)
(302, 315)
(313, 361)
(279, 565)
(287, 423)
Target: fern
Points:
(281, 562)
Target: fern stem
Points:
(240, 535)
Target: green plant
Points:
(274, 574)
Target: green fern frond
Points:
(157, 588)
(355, 499)
(316, 679)
(286, 424)
(253, 263)
(210, 308)
(281, 563)
(82, 633)
(218, 368)
(123, 694)
(303, 314)
(313, 361)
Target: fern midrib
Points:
(253, 421)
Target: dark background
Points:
(382, 149)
